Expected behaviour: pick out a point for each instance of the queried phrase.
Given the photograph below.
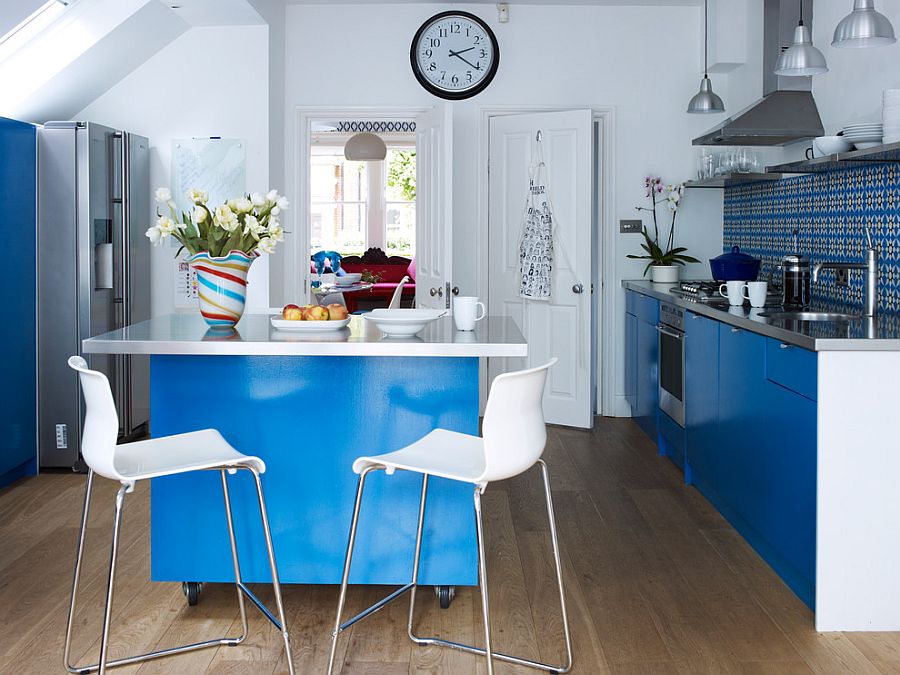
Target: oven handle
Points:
(677, 336)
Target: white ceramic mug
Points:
(755, 292)
(465, 312)
(734, 291)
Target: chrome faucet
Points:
(870, 266)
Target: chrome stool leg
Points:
(484, 595)
(276, 585)
(238, 580)
(338, 628)
(104, 664)
(88, 490)
(113, 555)
(418, 554)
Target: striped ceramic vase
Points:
(222, 286)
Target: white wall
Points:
(211, 81)
(645, 61)
(850, 91)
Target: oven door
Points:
(671, 372)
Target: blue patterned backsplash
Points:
(831, 210)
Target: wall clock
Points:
(454, 55)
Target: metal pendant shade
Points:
(706, 100)
(863, 27)
(801, 58)
(365, 147)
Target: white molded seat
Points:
(513, 438)
(430, 453)
(154, 458)
(193, 451)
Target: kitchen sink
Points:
(782, 315)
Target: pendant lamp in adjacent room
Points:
(801, 58)
(864, 27)
(705, 101)
(365, 147)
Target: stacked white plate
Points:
(864, 136)
(891, 115)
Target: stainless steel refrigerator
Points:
(93, 275)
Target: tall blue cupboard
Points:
(18, 351)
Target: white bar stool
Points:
(513, 439)
(131, 462)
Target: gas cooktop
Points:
(699, 290)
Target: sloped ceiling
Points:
(14, 12)
(94, 45)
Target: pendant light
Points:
(705, 101)
(801, 58)
(365, 147)
(863, 27)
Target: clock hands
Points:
(461, 58)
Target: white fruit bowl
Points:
(308, 326)
(402, 322)
(348, 279)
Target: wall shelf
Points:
(733, 179)
(881, 153)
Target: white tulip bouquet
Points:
(247, 224)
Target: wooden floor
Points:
(657, 582)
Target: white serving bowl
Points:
(348, 279)
(402, 322)
(831, 145)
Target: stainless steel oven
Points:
(671, 361)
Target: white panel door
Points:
(559, 327)
(434, 207)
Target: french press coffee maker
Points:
(795, 276)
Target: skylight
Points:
(32, 26)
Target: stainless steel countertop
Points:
(879, 335)
(254, 336)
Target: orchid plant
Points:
(247, 224)
(669, 195)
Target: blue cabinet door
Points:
(787, 516)
(631, 361)
(740, 478)
(647, 394)
(701, 395)
(18, 173)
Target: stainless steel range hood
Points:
(787, 112)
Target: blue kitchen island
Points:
(308, 405)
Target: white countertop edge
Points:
(399, 348)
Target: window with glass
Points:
(359, 205)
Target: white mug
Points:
(465, 312)
(734, 292)
(755, 292)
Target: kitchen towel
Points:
(536, 240)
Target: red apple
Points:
(337, 312)
(317, 313)
(292, 313)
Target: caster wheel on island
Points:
(445, 595)
(191, 590)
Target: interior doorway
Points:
(363, 210)
(569, 324)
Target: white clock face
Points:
(454, 55)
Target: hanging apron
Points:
(536, 240)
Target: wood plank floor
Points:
(657, 582)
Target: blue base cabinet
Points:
(643, 349)
(749, 443)
(18, 421)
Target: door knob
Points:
(455, 290)
(433, 292)
(578, 288)
(436, 292)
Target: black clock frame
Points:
(465, 93)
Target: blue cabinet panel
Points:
(792, 367)
(631, 359)
(701, 394)
(646, 410)
(18, 174)
(646, 309)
